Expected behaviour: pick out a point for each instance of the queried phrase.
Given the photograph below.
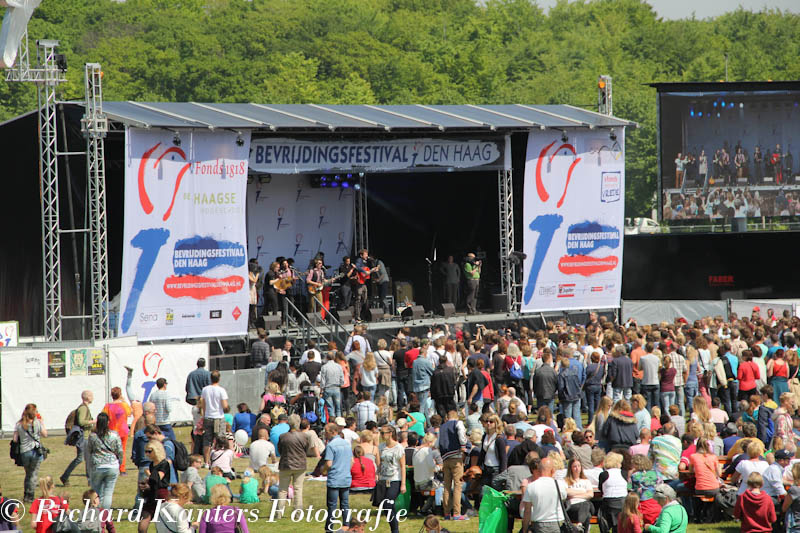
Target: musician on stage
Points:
(316, 280)
(363, 271)
(381, 279)
(297, 292)
(271, 277)
(472, 273)
(345, 291)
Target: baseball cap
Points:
(283, 416)
(665, 491)
(757, 309)
(248, 473)
(340, 421)
(782, 454)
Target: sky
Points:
(676, 9)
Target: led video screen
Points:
(729, 154)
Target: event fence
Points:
(656, 311)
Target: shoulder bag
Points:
(566, 526)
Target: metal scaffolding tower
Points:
(95, 128)
(47, 74)
(360, 215)
(508, 271)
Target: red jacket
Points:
(756, 511)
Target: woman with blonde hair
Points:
(54, 504)
(493, 449)
(783, 418)
(172, 517)
(369, 374)
(655, 418)
(222, 517)
(614, 488)
(567, 429)
(383, 358)
(600, 417)
(368, 447)
(271, 397)
(753, 463)
(700, 410)
(156, 486)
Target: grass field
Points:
(11, 479)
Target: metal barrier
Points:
(243, 386)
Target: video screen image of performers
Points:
(729, 155)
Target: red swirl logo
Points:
(144, 198)
(540, 189)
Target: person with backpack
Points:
(153, 433)
(569, 391)
(443, 387)
(727, 389)
(28, 433)
(514, 367)
(80, 423)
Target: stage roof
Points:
(355, 118)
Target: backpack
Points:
(527, 369)
(70, 421)
(515, 371)
(181, 462)
(726, 364)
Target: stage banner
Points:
(574, 210)
(184, 271)
(293, 156)
(285, 217)
(9, 333)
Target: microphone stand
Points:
(430, 284)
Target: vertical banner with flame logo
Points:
(286, 217)
(184, 271)
(574, 213)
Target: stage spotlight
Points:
(731, 105)
(700, 114)
(717, 115)
(564, 137)
(517, 258)
(334, 184)
(239, 141)
(361, 174)
(723, 103)
(349, 176)
(691, 112)
(715, 103)
(357, 187)
(337, 177)
(176, 140)
(613, 135)
(345, 185)
(741, 105)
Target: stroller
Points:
(311, 404)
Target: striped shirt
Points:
(161, 400)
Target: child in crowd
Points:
(91, 520)
(47, 488)
(630, 519)
(222, 457)
(754, 507)
(249, 490)
(270, 483)
(655, 418)
(214, 477)
(432, 525)
(191, 476)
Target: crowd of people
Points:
(730, 202)
(639, 428)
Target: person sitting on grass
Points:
(222, 518)
(222, 456)
(213, 479)
(270, 483)
(191, 477)
(249, 490)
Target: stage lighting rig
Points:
(239, 140)
(612, 135)
(176, 139)
(564, 137)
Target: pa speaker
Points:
(448, 310)
(375, 314)
(499, 303)
(414, 312)
(272, 322)
(345, 316)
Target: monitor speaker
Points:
(448, 310)
(375, 314)
(414, 312)
(271, 322)
(404, 292)
(345, 316)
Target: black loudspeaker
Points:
(272, 322)
(448, 310)
(375, 314)
(499, 303)
(345, 316)
(414, 312)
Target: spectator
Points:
(338, 467)
(747, 374)
(259, 350)
(620, 373)
(754, 463)
(196, 381)
(593, 385)
(578, 449)
(262, 451)
(643, 448)
(443, 387)
(600, 417)
(47, 501)
(427, 462)
(639, 407)
(118, 411)
(673, 517)
(593, 474)
(29, 432)
(791, 503)
(707, 470)
(391, 476)
(542, 506)
(614, 489)
(222, 517)
(105, 452)
(754, 507)
(452, 447)
(667, 376)
(619, 431)
(172, 516)
(362, 471)
(649, 363)
(665, 452)
(293, 448)
(279, 429)
(192, 480)
(366, 410)
(157, 483)
(160, 398)
(213, 479)
(244, 419)
(580, 494)
(272, 397)
(545, 383)
(215, 401)
(569, 391)
(643, 481)
(84, 421)
(331, 380)
(630, 519)
(222, 457)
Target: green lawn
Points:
(11, 478)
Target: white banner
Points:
(9, 333)
(292, 156)
(574, 212)
(53, 379)
(286, 217)
(184, 270)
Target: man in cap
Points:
(673, 517)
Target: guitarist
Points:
(345, 290)
(363, 271)
(316, 278)
(270, 292)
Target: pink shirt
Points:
(640, 449)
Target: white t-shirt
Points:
(718, 416)
(580, 484)
(260, 452)
(304, 357)
(593, 475)
(541, 494)
(424, 465)
(365, 412)
(350, 435)
(540, 429)
(212, 400)
(747, 467)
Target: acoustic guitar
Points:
(283, 284)
(316, 288)
(363, 277)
